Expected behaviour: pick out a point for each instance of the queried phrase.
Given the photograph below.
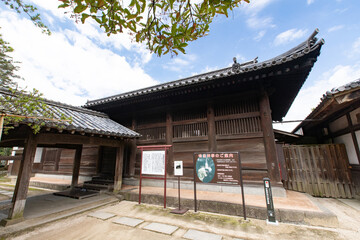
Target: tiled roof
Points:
(326, 97)
(304, 48)
(82, 120)
(346, 87)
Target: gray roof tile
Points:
(83, 120)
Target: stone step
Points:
(98, 187)
(100, 181)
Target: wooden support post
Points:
(169, 138)
(119, 168)
(269, 138)
(76, 167)
(133, 150)
(211, 128)
(22, 183)
(1, 125)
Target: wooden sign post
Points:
(153, 163)
(178, 171)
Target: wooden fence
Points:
(320, 170)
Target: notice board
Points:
(217, 168)
(153, 162)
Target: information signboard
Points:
(178, 168)
(153, 163)
(217, 168)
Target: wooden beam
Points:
(133, 150)
(7, 158)
(169, 141)
(55, 138)
(76, 167)
(1, 124)
(211, 128)
(269, 138)
(22, 183)
(119, 168)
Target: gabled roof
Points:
(331, 102)
(286, 73)
(82, 120)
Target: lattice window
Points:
(190, 114)
(152, 133)
(238, 126)
(237, 107)
(150, 119)
(191, 130)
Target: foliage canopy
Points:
(165, 26)
(18, 103)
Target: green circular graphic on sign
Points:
(205, 169)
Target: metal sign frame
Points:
(161, 177)
(241, 178)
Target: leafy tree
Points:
(166, 26)
(18, 104)
(19, 6)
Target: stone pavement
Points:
(156, 223)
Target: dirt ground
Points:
(83, 226)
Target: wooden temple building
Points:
(231, 109)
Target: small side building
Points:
(337, 120)
(90, 143)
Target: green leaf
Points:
(80, 8)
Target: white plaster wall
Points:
(354, 115)
(350, 149)
(338, 124)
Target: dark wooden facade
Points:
(227, 110)
(234, 125)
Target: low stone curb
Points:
(325, 218)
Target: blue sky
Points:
(78, 62)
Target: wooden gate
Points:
(320, 170)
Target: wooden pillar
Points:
(22, 183)
(133, 150)
(269, 138)
(119, 168)
(169, 141)
(211, 128)
(76, 167)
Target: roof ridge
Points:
(63, 105)
(304, 48)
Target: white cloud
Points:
(335, 28)
(68, 66)
(289, 36)
(256, 22)
(356, 47)
(309, 97)
(52, 6)
(310, 1)
(178, 63)
(260, 35)
(256, 6)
